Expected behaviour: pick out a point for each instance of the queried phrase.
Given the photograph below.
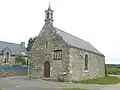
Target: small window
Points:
(7, 56)
(47, 15)
(46, 44)
(57, 54)
(86, 62)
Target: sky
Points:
(95, 21)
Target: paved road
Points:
(112, 87)
(22, 83)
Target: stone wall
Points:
(8, 73)
(72, 62)
(11, 60)
(1, 59)
(96, 65)
(41, 54)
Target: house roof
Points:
(77, 42)
(15, 49)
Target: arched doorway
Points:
(47, 69)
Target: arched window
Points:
(86, 62)
(47, 15)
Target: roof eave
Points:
(70, 46)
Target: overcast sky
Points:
(96, 21)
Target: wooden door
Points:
(47, 69)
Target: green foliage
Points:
(74, 89)
(30, 43)
(105, 80)
(112, 65)
(19, 59)
(115, 71)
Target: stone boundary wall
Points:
(7, 71)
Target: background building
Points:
(9, 51)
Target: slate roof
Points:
(77, 42)
(15, 49)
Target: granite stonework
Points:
(9, 73)
(96, 65)
(11, 60)
(71, 67)
(41, 54)
(72, 62)
(1, 60)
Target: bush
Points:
(20, 60)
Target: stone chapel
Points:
(58, 55)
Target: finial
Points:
(49, 8)
(49, 4)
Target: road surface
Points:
(22, 83)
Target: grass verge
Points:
(74, 89)
(105, 81)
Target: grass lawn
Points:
(107, 80)
(74, 89)
(0, 89)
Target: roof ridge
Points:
(9, 42)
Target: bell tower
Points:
(49, 15)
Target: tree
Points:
(30, 43)
(20, 60)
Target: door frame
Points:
(47, 69)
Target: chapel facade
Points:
(57, 55)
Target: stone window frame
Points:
(86, 67)
(57, 54)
